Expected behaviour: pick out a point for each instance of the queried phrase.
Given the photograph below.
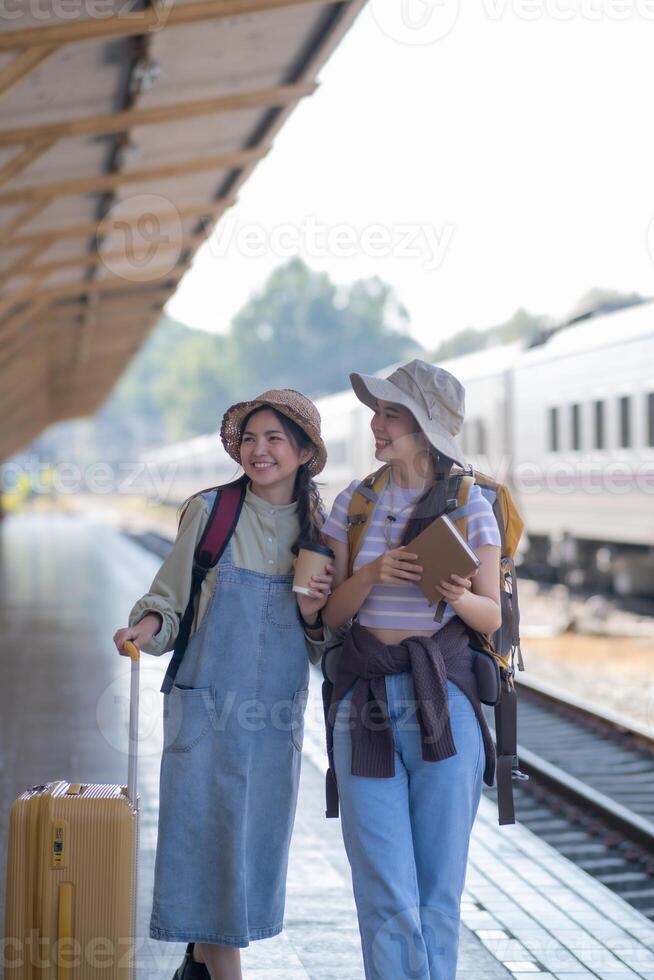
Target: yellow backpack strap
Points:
(511, 521)
(459, 516)
(361, 508)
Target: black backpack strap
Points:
(506, 740)
(222, 522)
(506, 737)
(515, 605)
(331, 789)
(329, 666)
(453, 512)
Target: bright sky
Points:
(479, 159)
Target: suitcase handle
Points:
(64, 928)
(135, 657)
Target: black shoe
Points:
(190, 970)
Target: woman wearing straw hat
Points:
(410, 743)
(233, 720)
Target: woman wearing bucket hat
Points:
(409, 739)
(233, 718)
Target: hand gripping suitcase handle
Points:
(134, 654)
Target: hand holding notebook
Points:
(442, 552)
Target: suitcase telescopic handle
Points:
(135, 657)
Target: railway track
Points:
(591, 789)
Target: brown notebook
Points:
(441, 551)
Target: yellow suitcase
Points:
(70, 900)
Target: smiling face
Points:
(397, 434)
(269, 456)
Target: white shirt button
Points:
(271, 561)
(270, 540)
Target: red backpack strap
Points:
(220, 526)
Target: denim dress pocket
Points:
(188, 715)
(283, 611)
(297, 717)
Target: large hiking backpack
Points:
(503, 647)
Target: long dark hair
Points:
(433, 502)
(310, 508)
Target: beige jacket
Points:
(261, 542)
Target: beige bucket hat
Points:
(434, 396)
(295, 406)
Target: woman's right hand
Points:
(395, 567)
(139, 634)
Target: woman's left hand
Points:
(321, 588)
(454, 589)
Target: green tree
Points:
(302, 331)
(529, 326)
(522, 325)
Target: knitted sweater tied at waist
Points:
(432, 660)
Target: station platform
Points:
(66, 584)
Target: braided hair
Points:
(310, 508)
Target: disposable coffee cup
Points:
(312, 559)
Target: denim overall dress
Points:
(230, 769)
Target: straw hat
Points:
(434, 396)
(288, 402)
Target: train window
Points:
(625, 421)
(575, 421)
(599, 425)
(650, 419)
(481, 436)
(554, 429)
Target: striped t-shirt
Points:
(403, 606)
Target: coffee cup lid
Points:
(322, 549)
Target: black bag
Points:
(487, 672)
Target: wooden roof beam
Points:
(17, 332)
(212, 210)
(108, 182)
(24, 262)
(26, 215)
(115, 284)
(92, 261)
(139, 316)
(19, 296)
(154, 298)
(118, 122)
(86, 288)
(21, 161)
(119, 320)
(129, 24)
(13, 325)
(26, 62)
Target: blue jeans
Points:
(407, 839)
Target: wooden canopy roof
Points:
(125, 132)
